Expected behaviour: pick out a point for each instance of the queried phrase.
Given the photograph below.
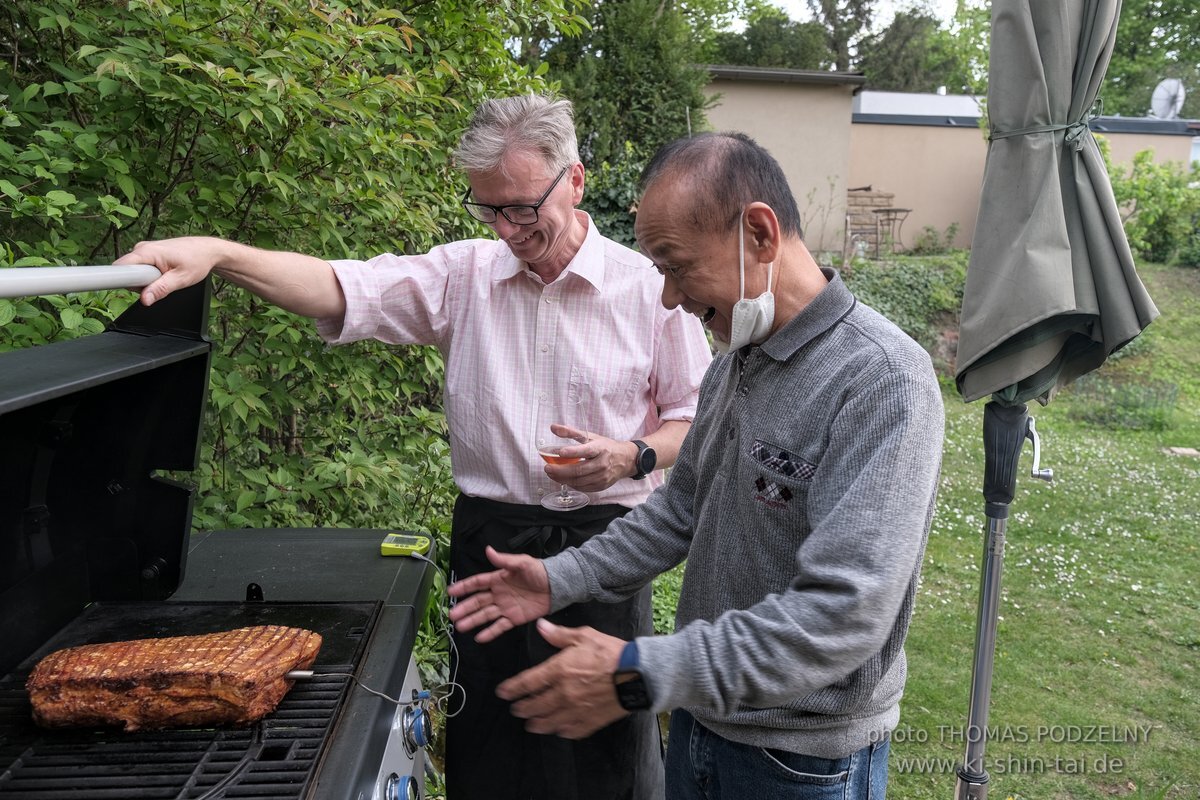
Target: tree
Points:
(322, 126)
(771, 39)
(967, 42)
(634, 77)
(1156, 39)
(907, 56)
(845, 23)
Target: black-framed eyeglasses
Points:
(523, 214)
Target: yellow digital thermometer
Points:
(405, 544)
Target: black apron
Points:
(489, 755)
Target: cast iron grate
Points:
(273, 760)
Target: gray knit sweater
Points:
(801, 500)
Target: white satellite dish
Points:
(1167, 99)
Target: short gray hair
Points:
(724, 172)
(531, 123)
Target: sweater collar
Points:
(826, 309)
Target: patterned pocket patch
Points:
(781, 461)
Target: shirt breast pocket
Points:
(779, 478)
(605, 392)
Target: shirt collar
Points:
(588, 262)
(824, 311)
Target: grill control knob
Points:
(401, 788)
(417, 733)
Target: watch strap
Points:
(630, 686)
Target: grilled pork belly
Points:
(234, 677)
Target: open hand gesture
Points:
(518, 591)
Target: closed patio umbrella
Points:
(1051, 287)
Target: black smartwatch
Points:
(645, 461)
(631, 689)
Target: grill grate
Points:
(274, 760)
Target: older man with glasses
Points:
(550, 331)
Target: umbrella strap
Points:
(1075, 130)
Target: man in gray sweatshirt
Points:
(801, 501)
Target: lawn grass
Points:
(1094, 693)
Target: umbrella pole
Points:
(1005, 428)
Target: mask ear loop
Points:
(742, 261)
(742, 257)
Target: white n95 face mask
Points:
(752, 319)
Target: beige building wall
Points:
(937, 171)
(1123, 147)
(804, 120)
(807, 128)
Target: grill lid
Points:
(86, 424)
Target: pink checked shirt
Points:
(594, 349)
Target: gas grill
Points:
(95, 546)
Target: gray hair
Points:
(531, 123)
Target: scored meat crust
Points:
(234, 677)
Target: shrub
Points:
(1160, 207)
(323, 127)
(931, 243)
(921, 295)
(612, 193)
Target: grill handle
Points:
(36, 281)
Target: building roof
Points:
(950, 110)
(780, 75)
(917, 104)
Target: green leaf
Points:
(245, 499)
(127, 186)
(58, 197)
(7, 312)
(87, 143)
(107, 86)
(70, 318)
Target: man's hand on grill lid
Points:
(518, 591)
(183, 262)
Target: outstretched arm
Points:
(302, 284)
(517, 592)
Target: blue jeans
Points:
(704, 766)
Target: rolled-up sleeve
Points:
(396, 299)
(681, 359)
(361, 289)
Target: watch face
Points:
(632, 694)
(648, 459)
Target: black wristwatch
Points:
(645, 461)
(631, 688)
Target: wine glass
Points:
(566, 499)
